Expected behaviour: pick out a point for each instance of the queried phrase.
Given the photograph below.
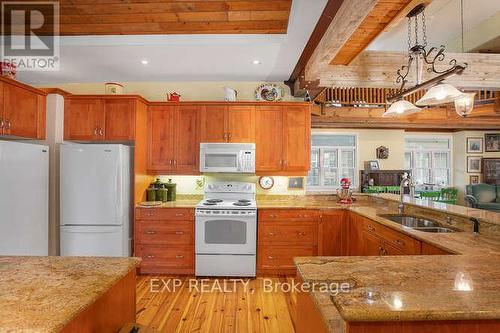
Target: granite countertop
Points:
(405, 288)
(43, 294)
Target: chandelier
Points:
(421, 58)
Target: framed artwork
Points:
(474, 179)
(492, 142)
(474, 145)
(373, 165)
(474, 164)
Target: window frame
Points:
(432, 152)
(321, 188)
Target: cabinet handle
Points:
(179, 232)
(225, 136)
(272, 234)
(150, 214)
(301, 233)
(380, 250)
(1, 123)
(151, 232)
(7, 124)
(169, 162)
(370, 228)
(285, 162)
(175, 162)
(281, 162)
(179, 214)
(271, 257)
(95, 131)
(272, 215)
(179, 256)
(150, 256)
(399, 242)
(229, 135)
(101, 133)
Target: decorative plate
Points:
(266, 182)
(269, 92)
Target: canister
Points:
(172, 190)
(151, 194)
(162, 194)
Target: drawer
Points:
(166, 256)
(289, 214)
(172, 214)
(395, 238)
(288, 233)
(281, 257)
(160, 232)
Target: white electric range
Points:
(226, 230)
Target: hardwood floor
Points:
(214, 305)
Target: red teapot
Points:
(173, 97)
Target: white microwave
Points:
(227, 157)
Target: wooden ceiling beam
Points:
(377, 69)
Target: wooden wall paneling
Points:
(120, 119)
(241, 123)
(269, 138)
(187, 139)
(161, 142)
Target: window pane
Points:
(407, 160)
(347, 159)
(347, 173)
(329, 140)
(421, 176)
(441, 160)
(314, 158)
(313, 177)
(422, 159)
(441, 177)
(330, 177)
(423, 143)
(330, 158)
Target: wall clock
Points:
(266, 182)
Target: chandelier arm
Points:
(402, 74)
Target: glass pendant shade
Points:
(401, 108)
(465, 104)
(441, 93)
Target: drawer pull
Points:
(151, 232)
(150, 214)
(150, 256)
(272, 215)
(371, 228)
(301, 233)
(399, 242)
(272, 234)
(179, 214)
(179, 256)
(380, 250)
(271, 257)
(179, 232)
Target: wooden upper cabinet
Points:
(240, 124)
(161, 138)
(23, 112)
(84, 119)
(296, 139)
(269, 138)
(187, 139)
(213, 123)
(119, 119)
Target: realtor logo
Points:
(30, 35)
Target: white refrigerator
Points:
(95, 200)
(24, 199)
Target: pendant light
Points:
(441, 93)
(465, 104)
(401, 108)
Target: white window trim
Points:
(430, 137)
(355, 181)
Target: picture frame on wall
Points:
(475, 145)
(492, 142)
(373, 165)
(474, 164)
(474, 179)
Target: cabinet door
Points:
(330, 233)
(187, 139)
(371, 244)
(296, 138)
(120, 119)
(269, 138)
(22, 112)
(355, 233)
(241, 124)
(161, 138)
(82, 119)
(213, 126)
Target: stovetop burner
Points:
(209, 203)
(214, 201)
(244, 200)
(240, 203)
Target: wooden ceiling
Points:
(143, 17)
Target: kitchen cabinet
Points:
(355, 235)
(429, 249)
(283, 138)
(332, 232)
(22, 110)
(174, 139)
(228, 123)
(283, 235)
(164, 239)
(100, 118)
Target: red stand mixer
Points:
(344, 193)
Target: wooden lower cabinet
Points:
(332, 233)
(164, 239)
(429, 249)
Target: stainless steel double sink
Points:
(418, 223)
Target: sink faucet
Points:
(406, 181)
(475, 225)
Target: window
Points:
(429, 160)
(333, 157)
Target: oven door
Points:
(226, 234)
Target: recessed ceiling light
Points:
(256, 62)
(144, 62)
